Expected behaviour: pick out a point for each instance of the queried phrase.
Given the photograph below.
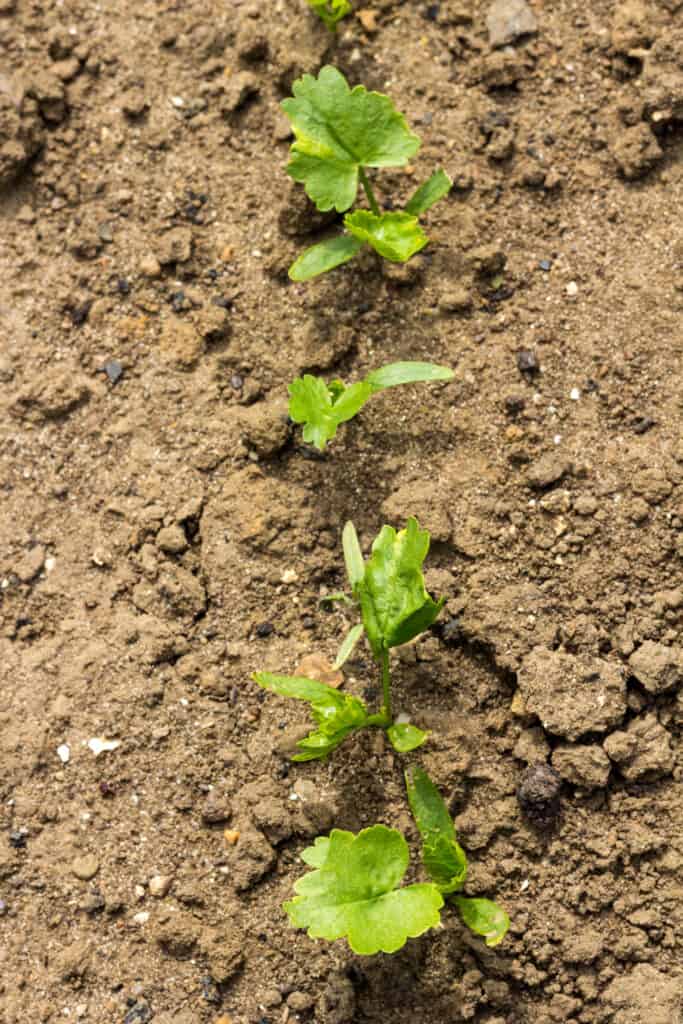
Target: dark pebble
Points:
(642, 426)
(210, 990)
(527, 361)
(431, 12)
(113, 370)
(139, 1014)
(545, 264)
(123, 286)
(80, 313)
(223, 302)
(307, 622)
(18, 838)
(514, 404)
(538, 795)
(236, 382)
(264, 629)
(451, 631)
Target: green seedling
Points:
(445, 861)
(395, 607)
(354, 890)
(322, 407)
(340, 133)
(331, 11)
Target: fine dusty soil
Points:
(164, 532)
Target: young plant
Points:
(322, 407)
(354, 890)
(395, 607)
(340, 132)
(331, 11)
(445, 861)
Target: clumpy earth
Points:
(164, 532)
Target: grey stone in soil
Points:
(657, 667)
(572, 694)
(642, 750)
(507, 20)
(538, 795)
(586, 765)
(113, 370)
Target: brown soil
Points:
(164, 534)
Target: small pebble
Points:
(575, 394)
(159, 885)
(538, 795)
(113, 370)
(545, 264)
(572, 289)
(64, 753)
(527, 361)
(85, 867)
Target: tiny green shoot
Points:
(395, 607)
(340, 133)
(331, 11)
(323, 407)
(445, 860)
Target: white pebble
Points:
(50, 563)
(142, 917)
(98, 745)
(289, 576)
(575, 394)
(177, 101)
(572, 289)
(64, 753)
(557, 439)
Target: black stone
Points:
(18, 838)
(527, 362)
(264, 629)
(538, 795)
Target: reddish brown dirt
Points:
(151, 527)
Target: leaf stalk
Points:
(367, 188)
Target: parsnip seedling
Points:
(331, 11)
(340, 132)
(322, 407)
(354, 891)
(395, 607)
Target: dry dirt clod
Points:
(85, 867)
(657, 667)
(636, 151)
(538, 795)
(642, 750)
(508, 20)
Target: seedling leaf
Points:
(331, 11)
(353, 556)
(404, 737)
(394, 603)
(392, 374)
(396, 236)
(316, 855)
(322, 407)
(484, 917)
(348, 644)
(340, 130)
(353, 893)
(336, 714)
(435, 188)
(324, 256)
(442, 855)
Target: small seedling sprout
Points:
(331, 11)
(323, 407)
(340, 133)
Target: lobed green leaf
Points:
(331, 11)
(395, 236)
(395, 605)
(353, 892)
(336, 714)
(442, 855)
(435, 188)
(340, 130)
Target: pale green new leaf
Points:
(484, 917)
(442, 855)
(392, 374)
(435, 188)
(324, 256)
(321, 408)
(394, 602)
(405, 737)
(395, 236)
(353, 893)
(348, 644)
(340, 130)
(353, 556)
(331, 11)
(336, 714)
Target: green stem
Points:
(367, 187)
(386, 685)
